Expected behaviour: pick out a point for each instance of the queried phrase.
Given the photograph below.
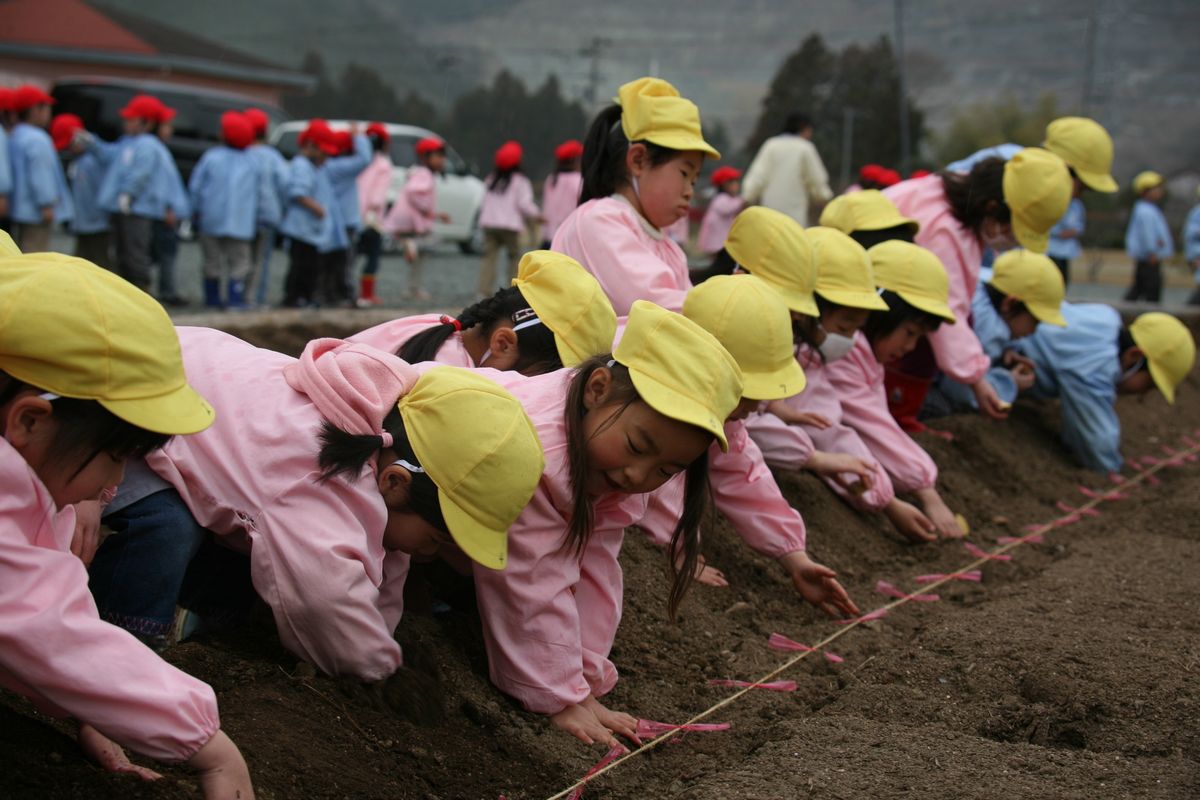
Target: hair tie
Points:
(385, 440)
(457, 323)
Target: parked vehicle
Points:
(459, 192)
(99, 100)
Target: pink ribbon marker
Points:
(1034, 529)
(1116, 477)
(975, 551)
(878, 613)
(612, 755)
(778, 641)
(1033, 538)
(970, 575)
(883, 587)
(773, 686)
(1153, 480)
(648, 729)
(1067, 508)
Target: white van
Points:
(459, 193)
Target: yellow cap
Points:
(1146, 180)
(79, 331)
(774, 248)
(753, 324)
(679, 369)
(7, 246)
(568, 301)
(1086, 147)
(915, 274)
(653, 111)
(479, 446)
(1168, 347)
(844, 274)
(1037, 189)
(868, 210)
(1033, 279)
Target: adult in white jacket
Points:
(787, 172)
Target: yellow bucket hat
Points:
(680, 369)
(752, 323)
(1086, 147)
(1168, 347)
(1146, 180)
(868, 210)
(774, 248)
(1033, 279)
(844, 274)
(479, 446)
(79, 331)
(7, 246)
(1037, 189)
(568, 301)
(915, 274)
(653, 111)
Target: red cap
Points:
(6, 98)
(345, 142)
(568, 150)
(63, 129)
(145, 106)
(888, 177)
(27, 96)
(430, 144)
(723, 175)
(236, 130)
(321, 135)
(379, 131)
(258, 120)
(919, 173)
(509, 155)
(869, 173)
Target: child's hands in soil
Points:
(108, 755)
(836, 465)
(990, 404)
(818, 585)
(708, 575)
(615, 721)
(791, 416)
(939, 513)
(413, 695)
(581, 723)
(222, 770)
(910, 521)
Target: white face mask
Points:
(836, 346)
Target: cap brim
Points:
(1051, 315)
(1030, 239)
(176, 413)
(867, 300)
(784, 382)
(676, 406)
(1159, 376)
(892, 222)
(930, 307)
(1098, 181)
(684, 144)
(482, 544)
(797, 301)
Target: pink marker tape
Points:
(1075, 513)
(1153, 480)
(1035, 528)
(780, 642)
(648, 729)
(883, 587)
(1033, 538)
(1090, 494)
(978, 553)
(970, 575)
(1150, 461)
(612, 755)
(1189, 441)
(773, 686)
(878, 613)
(1116, 477)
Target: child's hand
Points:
(836, 465)
(581, 723)
(615, 721)
(939, 513)
(86, 539)
(793, 417)
(818, 585)
(709, 575)
(1023, 376)
(990, 403)
(108, 755)
(910, 521)
(222, 770)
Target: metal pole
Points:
(1089, 62)
(847, 144)
(898, 21)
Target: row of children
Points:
(514, 439)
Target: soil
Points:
(1069, 672)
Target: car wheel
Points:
(472, 245)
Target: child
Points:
(39, 191)
(227, 188)
(328, 471)
(1095, 358)
(753, 324)
(868, 217)
(84, 385)
(312, 217)
(553, 316)
(998, 205)
(560, 192)
(507, 206)
(614, 429)
(91, 158)
(274, 168)
(641, 159)
(1191, 247)
(177, 206)
(374, 183)
(415, 209)
(1148, 239)
(914, 286)
(723, 207)
(354, 155)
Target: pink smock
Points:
(390, 336)
(508, 210)
(560, 196)
(413, 211)
(718, 219)
(374, 182)
(54, 648)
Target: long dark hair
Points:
(500, 178)
(978, 194)
(685, 539)
(345, 453)
(899, 311)
(86, 429)
(538, 350)
(604, 151)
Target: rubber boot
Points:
(237, 296)
(366, 292)
(212, 293)
(905, 396)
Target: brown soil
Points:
(1070, 672)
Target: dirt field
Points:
(1070, 672)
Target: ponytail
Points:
(604, 151)
(538, 348)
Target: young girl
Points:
(724, 206)
(415, 209)
(329, 471)
(613, 429)
(914, 286)
(84, 386)
(997, 204)
(560, 193)
(373, 186)
(641, 159)
(312, 216)
(553, 316)
(507, 206)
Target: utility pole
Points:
(1089, 60)
(593, 50)
(847, 144)
(898, 36)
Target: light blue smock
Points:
(1148, 233)
(995, 337)
(1002, 151)
(1191, 237)
(5, 166)
(37, 176)
(327, 233)
(1073, 220)
(226, 187)
(130, 171)
(86, 173)
(273, 168)
(343, 174)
